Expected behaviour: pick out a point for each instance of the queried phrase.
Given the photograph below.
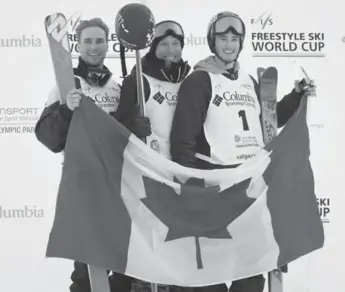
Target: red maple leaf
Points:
(198, 211)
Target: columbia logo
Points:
(217, 100)
(158, 97)
(22, 212)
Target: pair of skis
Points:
(268, 80)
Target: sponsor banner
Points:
(18, 120)
(267, 40)
(24, 212)
(20, 41)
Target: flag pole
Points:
(141, 104)
(275, 281)
(140, 86)
(99, 281)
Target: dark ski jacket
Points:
(153, 67)
(52, 127)
(187, 136)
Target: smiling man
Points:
(217, 117)
(219, 104)
(93, 80)
(163, 71)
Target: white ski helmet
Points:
(224, 22)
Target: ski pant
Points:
(81, 282)
(252, 284)
(143, 286)
(122, 283)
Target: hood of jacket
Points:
(211, 65)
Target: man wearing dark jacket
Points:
(93, 80)
(163, 71)
(217, 117)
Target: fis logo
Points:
(264, 20)
(74, 20)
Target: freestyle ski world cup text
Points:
(114, 44)
(112, 39)
(287, 42)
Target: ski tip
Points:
(260, 71)
(272, 69)
(51, 17)
(305, 73)
(270, 72)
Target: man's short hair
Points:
(94, 22)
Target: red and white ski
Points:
(56, 26)
(268, 80)
(260, 71)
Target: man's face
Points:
(169, 49)
(227, 46)
(93, 46)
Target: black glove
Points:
(139, 126)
